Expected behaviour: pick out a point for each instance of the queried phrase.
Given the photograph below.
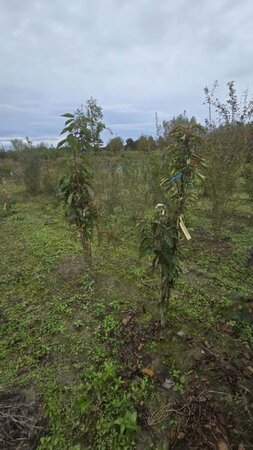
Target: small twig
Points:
(219, 392)
(162, 413)
(209, 351)
(19, 420)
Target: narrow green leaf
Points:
(61, 143)
(65, 130)
(200, 175)
(70, 198)
(68, 115)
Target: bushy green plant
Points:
(106, 410)
(240, 308)
(157, 167)
(2, 152)
(239, 314)
(49, 179)
(87, 125)
(179, 380)
(5, 170)
(114, 184)
(135, 192)
(5, 200)
(226, 149)
(248, 180)
(32, 172)
(115, 145)
(76, 188)
(224, 165)
(161, 237)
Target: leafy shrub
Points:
(157, 167)
(248, 179)
(160, 238)
(106, 411)
(49, 180)
(226, 149)
(2, 153)
(76, 188)
(5, 200)
(135, 193)
(114, 182)
(239, 314)
(224, 164)
(32, 172)
(115, 145)
(5, 170)
(77, 195)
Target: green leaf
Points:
(200, 175)
(68, 115)
(68, 121)
(61, 143)
(72, 140)
(70, 198)
(66, 129)
(89, 190)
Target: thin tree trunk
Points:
(165, 290)
(87, 250)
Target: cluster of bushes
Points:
(130, 180)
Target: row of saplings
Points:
(161, 237)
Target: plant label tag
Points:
(184, 229)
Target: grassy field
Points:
(83, 346)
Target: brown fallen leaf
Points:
(222, 445)
(173, 434)
(181, 435)
(126, 320)
(191, 398)
(148, 371)
(140, 347)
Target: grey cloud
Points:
(135, 57)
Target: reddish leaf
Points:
(148, 371)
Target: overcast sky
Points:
(135, 57)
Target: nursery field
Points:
(84, 361)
